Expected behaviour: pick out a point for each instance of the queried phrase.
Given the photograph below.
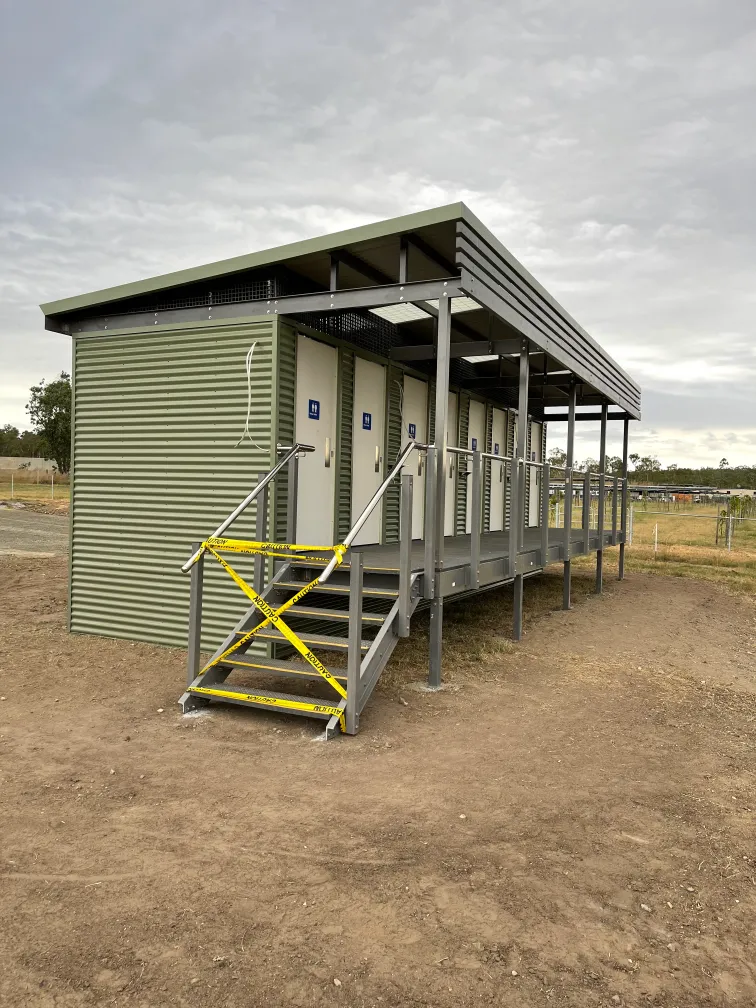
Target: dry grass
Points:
(34, 492)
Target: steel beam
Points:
(294, 304)
(474, 348)
(585, 416)
(601, 492)
(442, 460)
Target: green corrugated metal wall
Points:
(157, 415)
(391, 505)
(463, 463)
(487, 469)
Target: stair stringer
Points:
(219, 673)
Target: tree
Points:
(614, 465)
(557, 457)
(49, 408)
(724, 464)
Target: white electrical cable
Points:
(248, 366)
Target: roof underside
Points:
(495, 299)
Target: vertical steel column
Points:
(334, 277)
(429, 545)
(261, 531)
(601, 492)
(195, 617)
(545, 495)
(587, 512)
(569, 462)
(291, 500)
(623, 506)
(517, 532)
(476, 503)
(354, 653)
(442, 408)
(403, 259)
(614, 508)
(405, 557)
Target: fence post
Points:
(11, 486)
(656, 537)
(729, 532)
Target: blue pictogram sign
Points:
(496, 448)
(313, 409)
(412, 428)
(367, 421)
(474, 444)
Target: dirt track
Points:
(569, 823)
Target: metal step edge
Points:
(267, 700)
(282, 667)
(316, 641)
(342, 589)
(335, 614)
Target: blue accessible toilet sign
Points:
(313, 409)
(412, 430)
(367, 421)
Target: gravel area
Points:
(28, 533)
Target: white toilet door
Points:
(536, 455)
(368, 427)
(498, 470)
(317, 377)
(476, 441)
(415, 428)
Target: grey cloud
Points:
(612, 151)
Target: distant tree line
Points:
(648, 469)
(49, 409)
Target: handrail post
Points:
(405, 557)
(545, 515)
(568, 464)
(354, 653)
(261, 531)
(615, 480)
(429, 546)
(292, 490)
(587, 512)
(623, 511)
(601, 502)
(476, 503)
(517, 536)
(195, 617)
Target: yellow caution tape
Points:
(271, 615)
(272, 701)
(292, 551)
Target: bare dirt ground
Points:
(570, 822)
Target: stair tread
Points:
(334, 614)
(342, 589)
(282, 665)
(272, 694)
(270, 633)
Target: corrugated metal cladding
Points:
(345, 414)
(157, 416)
(394, 441)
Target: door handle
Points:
(327, 453)
(377, 458)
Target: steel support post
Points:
(517, 533)
(476, 503)
(291, 500)
(405, 557)
(623, 504)
(354, 653)
(443, 329)
(587, 512)
(545, 495)
(429, 545)
(601, 493)
(615, 499)
(195, 618)
(569, 462)
(261, 532)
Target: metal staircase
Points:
(346, 617)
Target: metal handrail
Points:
(290, 453)
(368, 509)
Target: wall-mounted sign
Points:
(474, 444)
(313, 409)
(496, 448)
(412, 428)
(367, 421)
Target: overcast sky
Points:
(611, 147)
